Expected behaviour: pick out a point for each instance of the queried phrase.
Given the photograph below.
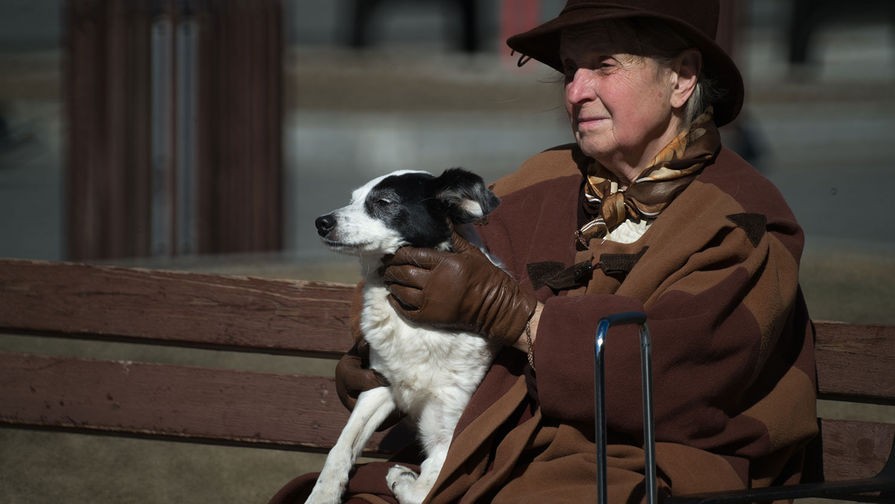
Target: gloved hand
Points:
(353, 375)
(458, 290)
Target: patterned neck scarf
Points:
(668, 174)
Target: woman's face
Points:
(620, 105)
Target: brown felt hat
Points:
(695, 20)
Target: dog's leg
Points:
(411, 488)
(436, 427)
(372, 408)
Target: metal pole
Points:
(600, 405)
(649, 440)
(649, 421)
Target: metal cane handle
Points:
(649, 428)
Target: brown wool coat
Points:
(717, 275)
(732, 343)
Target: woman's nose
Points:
(581, 87)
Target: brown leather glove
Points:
(458, 290)
(353, 375)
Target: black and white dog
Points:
(432, 373)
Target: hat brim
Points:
(542, 43)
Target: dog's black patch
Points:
(419, 206)
(465, 195)
(406, 204)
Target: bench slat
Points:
(178, 308)
(855, 450)
(856, 360)
(240, 407)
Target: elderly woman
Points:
(648, 212)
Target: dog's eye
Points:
(383, 202)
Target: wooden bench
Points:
(855, 363)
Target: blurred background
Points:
(208, 134)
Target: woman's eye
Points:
(602, 65)
(569, 69)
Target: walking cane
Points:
(649, 428)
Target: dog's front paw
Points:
(399, 479)
(399, 476)
(406, 485)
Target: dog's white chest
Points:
(420, 363)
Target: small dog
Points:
(433, 373)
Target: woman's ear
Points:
(687, 66)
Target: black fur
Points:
(457, 186)
(419, 205)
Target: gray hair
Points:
(704, 95)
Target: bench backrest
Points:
(855, 363)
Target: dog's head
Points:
(406, 208)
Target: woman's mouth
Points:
(586, 123)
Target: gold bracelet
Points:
(531, 356)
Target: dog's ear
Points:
(464, 195)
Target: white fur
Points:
(432, 373)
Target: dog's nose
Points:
(325, 224)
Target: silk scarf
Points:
(666, 176)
